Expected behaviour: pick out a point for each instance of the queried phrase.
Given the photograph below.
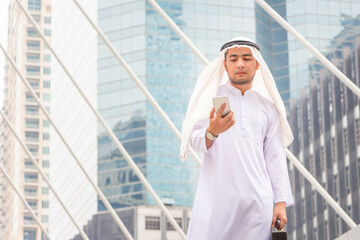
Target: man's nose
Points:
(240, 64)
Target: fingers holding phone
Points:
(219, 102)
(221, 117)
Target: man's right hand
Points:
(218, 124)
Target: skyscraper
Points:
(33, 59)
(169, 70)
(319, 22)
(273, 40)
(326, 126)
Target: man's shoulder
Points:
(264, 101)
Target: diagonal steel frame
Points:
(82, 233)
(97, 189)
(115, 140)
(330, 66)
(24, 200)
(342, 77)
(289, 155)
(148, 95)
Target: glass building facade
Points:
(325, 123)
(273, 41)
(169, 70)
(28, 52)
(327, 139)
(319, 22)
(323, 113)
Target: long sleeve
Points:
(197, 138)
(276, 164)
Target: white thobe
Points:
(244, 172)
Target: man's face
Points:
(240, 65)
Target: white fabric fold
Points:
(208, 83)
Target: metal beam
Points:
(331, 67)
(97, 189)
(112, 136)
(34, 95)
(290, 156)
(23, 200)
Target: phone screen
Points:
(219, 101)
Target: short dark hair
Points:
(226, 53)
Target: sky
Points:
(4, 6)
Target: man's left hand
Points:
(279, 213)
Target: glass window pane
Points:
(33, 45)
(33, 57)
(31, 32)
(29, 234)
(32, 123)
(34, 5)
(33, 70)
(31, 136)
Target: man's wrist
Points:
(212, 131)
(280, 204)
(210, 135)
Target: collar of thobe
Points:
(237, 91)
(214, 75)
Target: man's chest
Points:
(252, 118)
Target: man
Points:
(244, 164)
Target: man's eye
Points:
(247, 59)
(232, 60)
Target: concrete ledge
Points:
(353, 234)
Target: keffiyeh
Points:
(215, 75)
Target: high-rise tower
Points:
(168, 68)
(33, 59)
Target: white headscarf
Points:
(207, 86)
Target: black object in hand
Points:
(278, 234)
(277, 224)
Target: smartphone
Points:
(219, 101)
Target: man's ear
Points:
(225, 65)
(257, 65)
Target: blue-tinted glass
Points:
(168, 68)
(30, 234)
(34, 5)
